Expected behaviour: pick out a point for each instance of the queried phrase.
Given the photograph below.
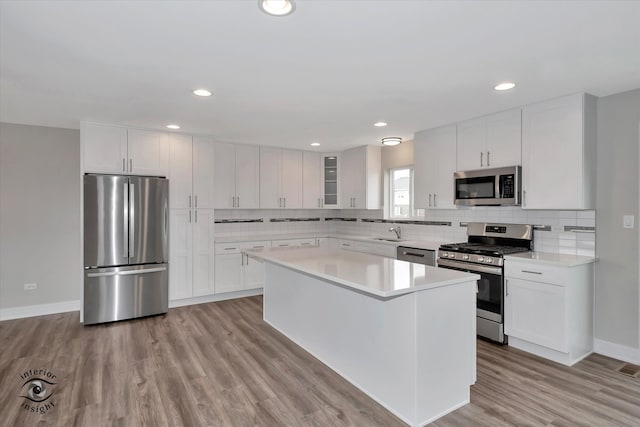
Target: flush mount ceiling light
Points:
(505, 86)
(315, 144)
(277, 7)
(380, 124)
(391, 140)
(202, 92)
(173, 126)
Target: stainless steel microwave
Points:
(488, 187)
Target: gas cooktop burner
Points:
(482, 249)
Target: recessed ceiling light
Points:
(202, 92)
(505, 86)
(379, 124)
(391, 140)
(173, 126)
(277, 7)
(315, 144)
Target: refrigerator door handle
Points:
(128, 272)
(125, 228)
(132, 218)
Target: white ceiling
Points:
(325, 73)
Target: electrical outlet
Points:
(627, 221)
(30, 286)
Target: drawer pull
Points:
(257, 247)
(230, 249)
(531, 272)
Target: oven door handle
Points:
(470, 267)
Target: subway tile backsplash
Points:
(565, 232)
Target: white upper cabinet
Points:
(331, 180)
(311, 180)
(434, 166)
(237, 174)
(192, 172)
(280, 178)
(361, 170)
(558, 153)
(113, 149)
(491, 141)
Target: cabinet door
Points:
(504, 139)
(180, 254)
(552, 154)
(291, 179)
(348, 163)
(203, 252)
(359, 178)
(311, 176)
(471, 145)
(247, 177)
(104, 148)
(180, 176)
(253, 273)
(535, 312)
(148, 152)
(229, 273)
(224, 175)
(203, 173)
(434, 165)
(270, 169)
(331, 181)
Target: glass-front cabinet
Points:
(331, 180)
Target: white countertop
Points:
(419, 244)
(372, 274)
(562, 260)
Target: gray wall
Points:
(40, 214)
(617, 282)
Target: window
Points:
(401, 193)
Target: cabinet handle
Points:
(285, 201)
(124, 167)
(506, 287)
(322, 202)
(241, 259)
(488, 160)
(230, 249)
(189, 201)
(531, 272)
(435, 204)
(238, 204)
(196, 214)
(524, 193)
(481, 159)
(130, 165)
(196, 201)
(189, 216)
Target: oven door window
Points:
(490, 293)
(476, 188)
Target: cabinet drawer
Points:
(536, 272)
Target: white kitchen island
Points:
(403, 333)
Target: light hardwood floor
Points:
(219, 364)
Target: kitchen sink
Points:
(388, 239)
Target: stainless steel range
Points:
(483, 254)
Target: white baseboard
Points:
(213, 298)
(617, 351)
(39, 310)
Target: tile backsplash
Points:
(554, 238)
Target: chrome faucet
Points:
(397, 230)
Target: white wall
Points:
(617, 285)
(40, 215)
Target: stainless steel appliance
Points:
(125, 247)
(483, 254)
(420, 256)
(488, 187)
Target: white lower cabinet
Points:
(235, 271)
(549, 309)
(191, 253)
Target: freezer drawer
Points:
(118, 293)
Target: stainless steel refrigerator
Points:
(125, 247)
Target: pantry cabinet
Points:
(361, 171)
(434, 166)
(311, 180)
(191, 172)
(490, 141)
(191, 253)
(558, 153)
(118, 150)
(236, 176)
(549, 309)
(280, 178)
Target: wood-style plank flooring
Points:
(219, 364)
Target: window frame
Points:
(390, 189)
